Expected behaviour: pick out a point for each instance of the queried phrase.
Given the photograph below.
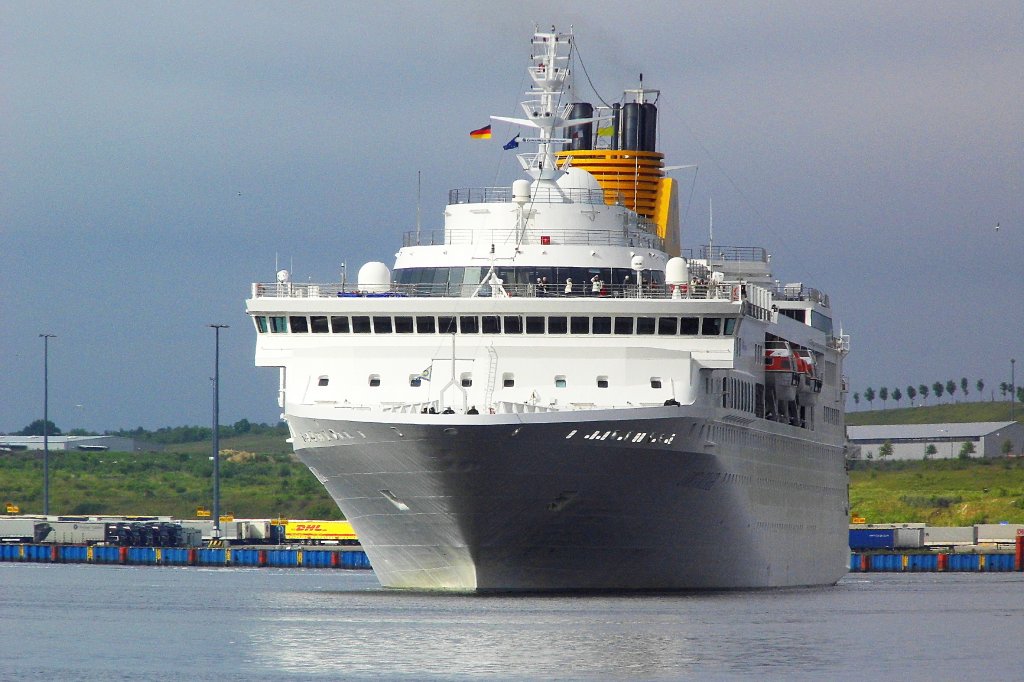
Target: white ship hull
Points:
(535, 502)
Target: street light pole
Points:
(216, 429)
(46, 422)
(1013, 395)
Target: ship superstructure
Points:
(552, 394)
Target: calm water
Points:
(64, 622)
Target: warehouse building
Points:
(81, 443)
(942, 441)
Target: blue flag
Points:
(511, 144)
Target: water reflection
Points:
(417, 635)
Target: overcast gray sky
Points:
(156, 158)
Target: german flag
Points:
(481, 133)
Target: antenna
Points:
(711, 230)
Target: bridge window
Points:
(513, 324)
(382, 325)
(645, 325)
(711, 326)
(446, 325)
(403, 325)
(579, 325)
(668, 326)
(339, 324)
(261, 324)
(277, 325)
(557, 325)
(490, 324)
(470, 324)
(623, 325)
(689, 325)
(602, 325)
(534, 325)
(730, 326)
(300, 325)
(318, 324)
(425, 325)
(361, 324)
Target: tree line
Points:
(167, 435)
(938, 389)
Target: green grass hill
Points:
(260, 478)
(951, 413)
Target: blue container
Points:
(145, 556)
(174, 556)
(8, 552)
(317, 558)
(872, 538)
(38, 552)
(963, 562)
(999, 562)
(74, 553)
(918, 563)
(210, 557)
(245, 557)
(282, 557)
(887, 562)
(359, 560)
(106, 555)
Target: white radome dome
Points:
(577, 178)
(374, 277)
(677, 271)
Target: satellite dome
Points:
(374, 277)
(676, 271)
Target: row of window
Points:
(466, 380)
(511, 275)
(495, 324)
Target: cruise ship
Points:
(551, 393)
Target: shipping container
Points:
(872, 538)
(997, 532)
(949, 536)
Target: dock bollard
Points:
(1018, 557)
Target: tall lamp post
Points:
(1013, 395)
(216, 429)
(46, 421)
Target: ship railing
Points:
(727, 253)
(643, 236)
(796, 291)
(722, 291)
(503, 195)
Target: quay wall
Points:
(185, 556)
(860, 562)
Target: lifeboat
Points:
(779, 357)
(807, 368)
(780, 368)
